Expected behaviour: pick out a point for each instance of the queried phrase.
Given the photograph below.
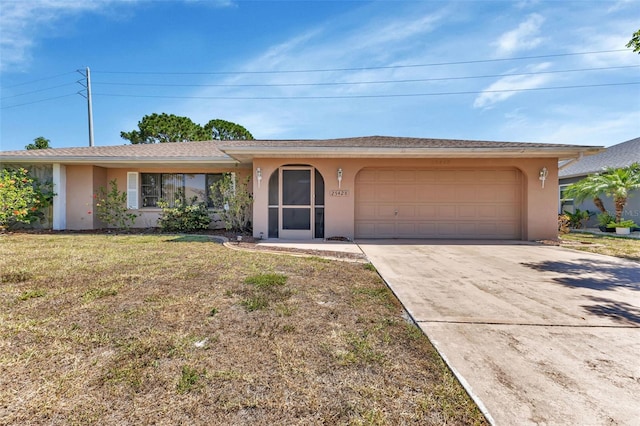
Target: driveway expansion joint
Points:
(527, 324)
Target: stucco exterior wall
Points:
(539, 205)
(148, 216)
(82, 183)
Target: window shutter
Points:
(132, 190)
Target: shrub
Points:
(563, 224)
(237, 202)
(22, 197)
(577, 218)
(628, 223)
(184, 216)
(111, 207)
(605, 218)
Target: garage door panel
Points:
(407, 212)
(404, 193)
(385, 212)
(469, 211)
(417, 203)
(367, 193)
(406, 176)
(445, 211)
(367, 176)
(386, 176)
(385, 193)
(427, 211)
(366, 211)
(447, 176)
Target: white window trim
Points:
(132, 190)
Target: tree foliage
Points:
(634, 43)
(223, 130)
(237, 202)
(615, 183)
(39, 143)
(22, 197)
(161, 128)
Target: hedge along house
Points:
(369, 187)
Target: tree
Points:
(634, 43)
(39, 143)
(590, 187)
(615, 183)
(161, 128)
(223, 130)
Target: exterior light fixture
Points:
(543, 175)
(339, 177)
(259, 175)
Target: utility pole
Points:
(87, 85)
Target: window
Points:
(167, 186)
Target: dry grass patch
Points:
(100, 329)
(627, 248)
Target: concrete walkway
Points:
(537, 334)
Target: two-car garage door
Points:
(419, 203)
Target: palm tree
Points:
(615, 183)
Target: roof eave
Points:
(82, 160)
(248, 153)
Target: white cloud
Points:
(524, 37)
(604, 130)
(24, 22)
(509, 86)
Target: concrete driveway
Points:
(537, 334)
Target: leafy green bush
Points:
(111, 207)
(22, 197)
(605, 218)
(184, 216)
(237, 202)
(622, 224)
(577, 218)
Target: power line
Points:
(363, 68)
(37, 91)
(346, 83)
(36, 102)
(37, 80)
(368, 96)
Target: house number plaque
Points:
(340, 193)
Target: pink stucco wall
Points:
(539, 206)
(82, 183)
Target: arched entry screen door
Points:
(296, 203)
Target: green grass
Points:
(32, 294)
(173, 330)
(265, 281)
(627, 248)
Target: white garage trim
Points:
(438, 203)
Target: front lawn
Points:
(627, 248)
(157, 329)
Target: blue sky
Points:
(486, 70)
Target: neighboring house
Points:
(616, 156)
(368, 187)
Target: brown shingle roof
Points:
(221, 152)
(185, 150)
(383, 142)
